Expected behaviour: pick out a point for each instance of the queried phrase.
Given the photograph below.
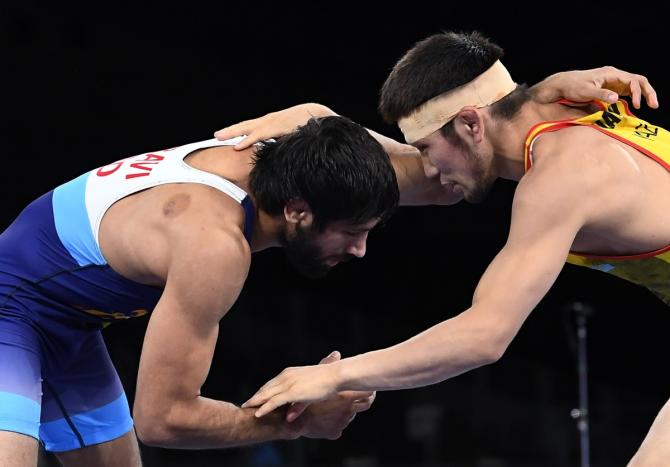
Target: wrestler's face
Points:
(464, 171)
(314, 251)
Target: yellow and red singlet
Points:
(651, 269)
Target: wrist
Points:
(341, 374)
(319, 110)
(547, 90)
(270, 427)
(291, 430)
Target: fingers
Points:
(332, 357)
(635, 92)
(223, 134)
(361, 400)
(633, 85)
(258, 399)
(268, 390)
(272, 404)
(245, 143)
(238, 129)
(269, 397)
(255, 130)
(296, 410)
(649, 93)
(638, 87)
(244, 128)
(605, 95)
(363, 405)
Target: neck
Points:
(266, 231)
(508, 137)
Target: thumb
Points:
(295, 410)
(608, 96)
(332, 357)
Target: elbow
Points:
(154, 429)
(491, 348)
(155, 433)
(488, 338)
(490, 354)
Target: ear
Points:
(469, 124)
(297, 211)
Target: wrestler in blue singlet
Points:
(57, 382)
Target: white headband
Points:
(486, 89)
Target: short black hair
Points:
(432, 67)
(331, 163)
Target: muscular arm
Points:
(513, 284)
(418, 182)
(549, 208)
(202, 284)
(551, 204)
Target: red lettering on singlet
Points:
(154, 157)
(109, 169)
(140, 165)
(143, 165)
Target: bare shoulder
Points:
(583, 151)
(208, 263)
(205, 157)
(211, 222)
(225, 161)
(140, 233)
(578, 168)
(561, 176)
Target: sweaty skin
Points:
(187, 229)
(605, 193)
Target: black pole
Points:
(581, 414)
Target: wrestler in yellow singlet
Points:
(651, 269)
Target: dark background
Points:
(87, 85)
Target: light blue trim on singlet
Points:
(99, 425)
(72, 224)
(19, 414)
(605, 267)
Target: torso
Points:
(626, 230)
(633, 217)
(97, 248)
(135, 231)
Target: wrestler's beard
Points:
(482, 180)
(303, 252)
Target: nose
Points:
(357, 247)
(429, 169)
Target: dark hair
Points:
(331, 163)
(434, 66)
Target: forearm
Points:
(210, 424)
(418, 183)
(439, 353)
(481, 334)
